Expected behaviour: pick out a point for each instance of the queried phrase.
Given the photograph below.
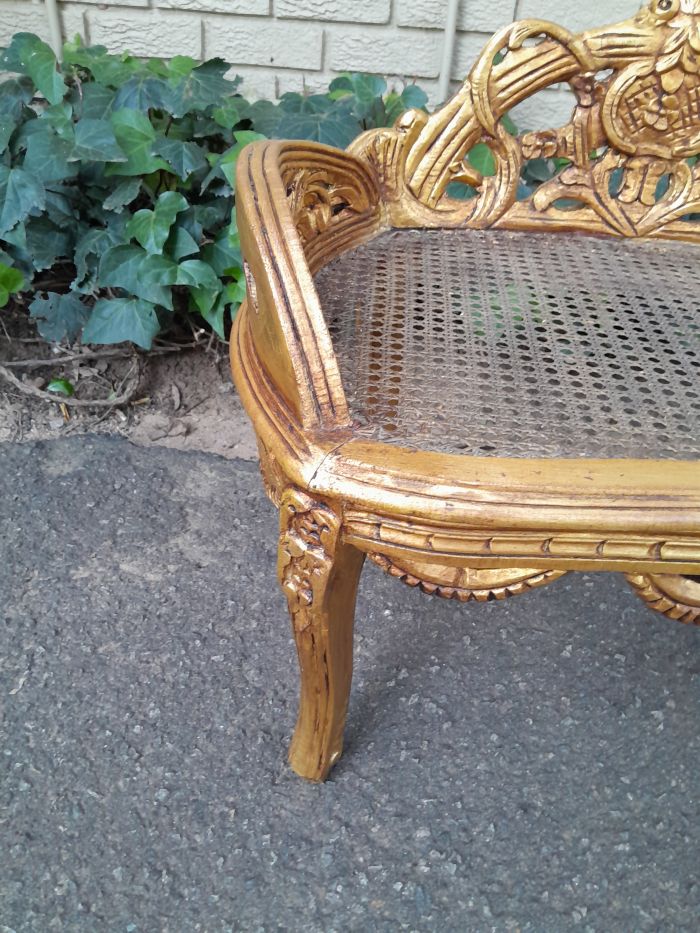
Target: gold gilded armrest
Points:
(298, 205)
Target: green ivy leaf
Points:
(151, 228)
(17, 237)
(106, 69)
(60, 117)
(116, 320)
(189, 221)
(7, 128)
(212, 215)
(181, 66)
(414, 97)
(236, 291)
(198, 274)
(11, 282)
(212, 306)
(225, 165)
(59, 317)
(61, 387)
(93, 101)
(133, 270)
(11, 278)
(538, 170)
(228, 301)
(224, 254)
(458, 191)
(181, 243)
(61, 206)
(122, 133)
(265, 117)
(509, 125)
(366, 92)
(361, 85)
(95, 140)
(203, 87)
(15, 96)
(157, 67)
(328, 122)
(90, 248)
(142, 92)
(184, 158)
(28, 54)
(47, 156)
(158, 270)
(20, 193)
(125, 192)
(215, 317)
(293, 102)
(231, 113)
(482, 159)
(48, 243)
(393, 108)
(135, 136)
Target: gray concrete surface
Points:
(524, 766)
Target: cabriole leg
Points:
(319, 575)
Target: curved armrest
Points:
(299, 205)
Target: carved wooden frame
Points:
(462, 527)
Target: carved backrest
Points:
(631, 145)
(630, 156)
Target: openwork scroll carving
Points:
(631, 145)
(317, 199)
(308, 538)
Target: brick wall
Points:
(288, 45)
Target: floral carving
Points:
(309, 532)
(315, 201)
(635, 125)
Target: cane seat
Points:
(494, 342)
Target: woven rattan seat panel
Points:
(520, 345)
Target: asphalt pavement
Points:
(524, 766)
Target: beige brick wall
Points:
(285, 45)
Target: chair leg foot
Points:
(319, 575)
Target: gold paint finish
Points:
(512, 507)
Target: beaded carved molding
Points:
(630, 147)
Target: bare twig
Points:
(123, 399)
(108, 412)
(98, 355)
(69, 358)
(6, 336)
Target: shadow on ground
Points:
(526, 766)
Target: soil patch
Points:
(181, 398)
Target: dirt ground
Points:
(178, 398)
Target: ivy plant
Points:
(117, 183)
